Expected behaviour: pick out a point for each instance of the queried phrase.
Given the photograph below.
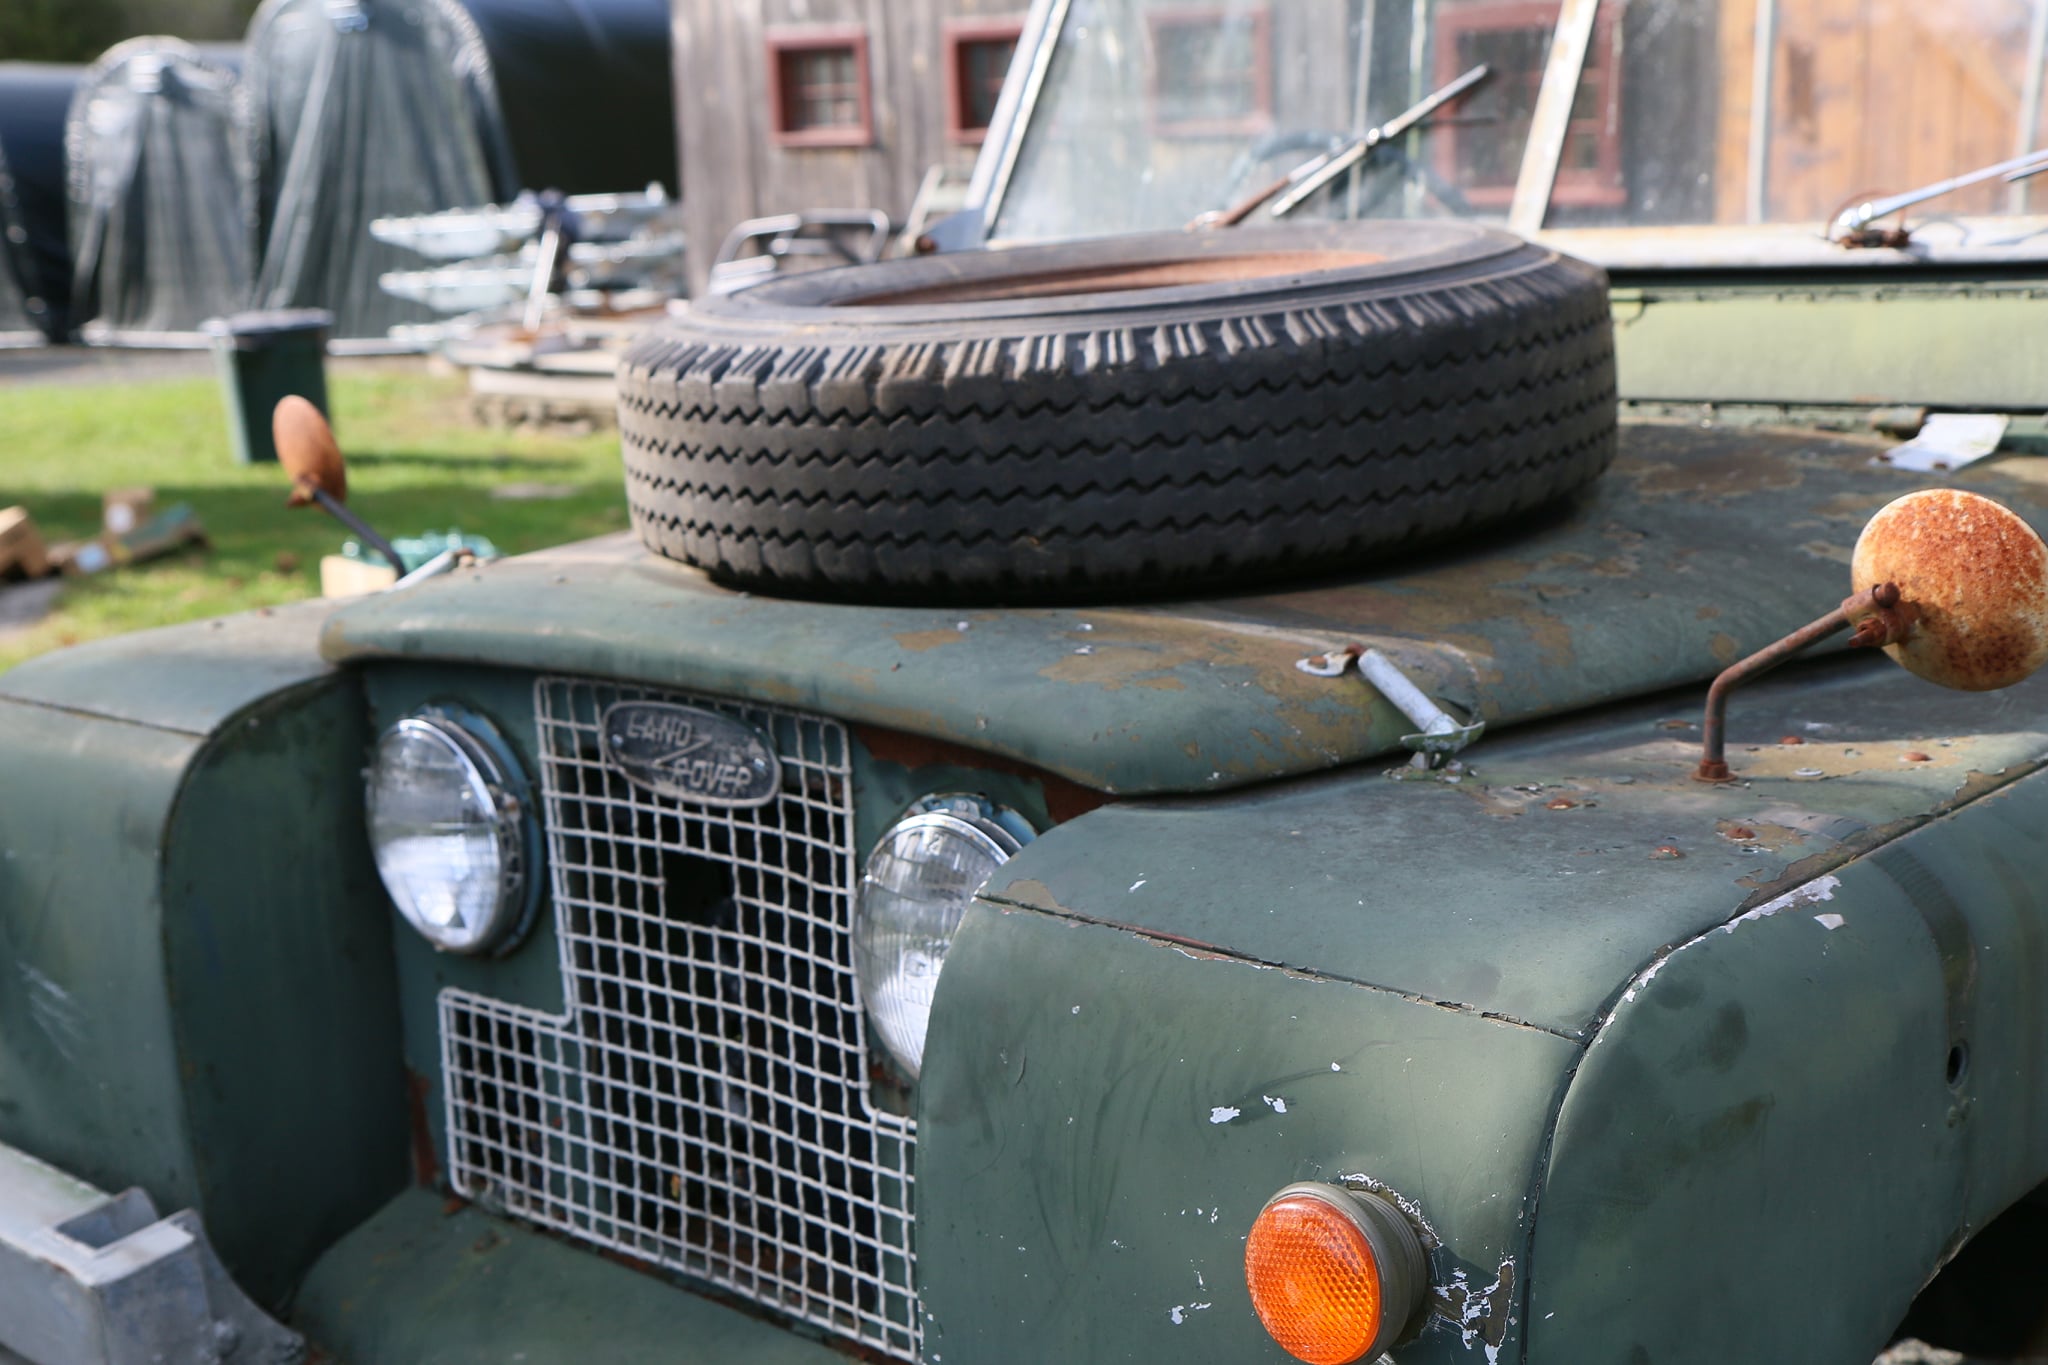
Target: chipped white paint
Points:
(1180, 1311)
(1480, 1314)
(1223, 1113)
(1279, 1105)
(1335, 1067)
(1815, 891)
(1643, 978)
(1140, 882)
(1077, 1009)
(1830, 921)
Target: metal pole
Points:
(1762, 79)
(1552, 120)
(2030, 101)
(1361, 101)
(1418, 86)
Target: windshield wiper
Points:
(1852, 227)
(1318, 171)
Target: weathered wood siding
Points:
(733, 169)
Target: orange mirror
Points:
(307, 449)
(1973, 584)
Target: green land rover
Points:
(1145, 787)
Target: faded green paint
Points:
(420, 1284)
(283, 1008)
(1780, 1091)
(1656, 578)
(195, 1001)
(1103, 1114)
(1973, 346)
(1482, 894)
(1777, 1090)
(183, 678)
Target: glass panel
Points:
(1154, 111)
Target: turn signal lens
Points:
(1334, 1275)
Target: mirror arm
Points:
(334, 507)
(1878, 620)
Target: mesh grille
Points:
(703, 1103)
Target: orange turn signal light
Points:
(1336, 1275)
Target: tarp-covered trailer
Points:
(34, 100)
(161, 190)
(364, 110)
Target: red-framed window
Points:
(978, 53)
(1479, 149)
(818, 86)
(1212, 71)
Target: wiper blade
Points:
(1358, 151)
(1851, 226)
(1318, 171)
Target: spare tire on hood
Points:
(1137, 414)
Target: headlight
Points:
(917, 885)
(452, 830)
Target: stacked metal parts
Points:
(161, 219)
(362, 109)
(35, 257)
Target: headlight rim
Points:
(989, 827)
(495, 775)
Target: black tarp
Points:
(587, 91)
(17, 325)
(160, 185)
(34, 99)
(359, 111)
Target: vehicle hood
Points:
(1699, 546)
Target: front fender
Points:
(196, 983)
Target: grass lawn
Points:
(416, 462)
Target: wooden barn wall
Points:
(732, 168)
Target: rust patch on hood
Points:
(1113, 667)
(1726, 474)
(918, 641)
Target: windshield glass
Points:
(1154, 111)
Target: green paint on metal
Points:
(1569, 855)
(1788, 1091)
(1970, 346)
(183, 678)
(195, 1000)
(1104, 1114)
(426, 1284)
(297, 1124)
(1699, 546)
(88, 1072)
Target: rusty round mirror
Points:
(307, 449)
(1973, 586)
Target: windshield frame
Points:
(1752, 245)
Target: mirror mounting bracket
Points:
(1878, 617)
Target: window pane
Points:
(983, 63)
(820, 88)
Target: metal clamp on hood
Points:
(1440, 734)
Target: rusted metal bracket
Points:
(1439, 733)
(1879, 619)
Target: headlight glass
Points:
(917, 886)
(450, 832)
